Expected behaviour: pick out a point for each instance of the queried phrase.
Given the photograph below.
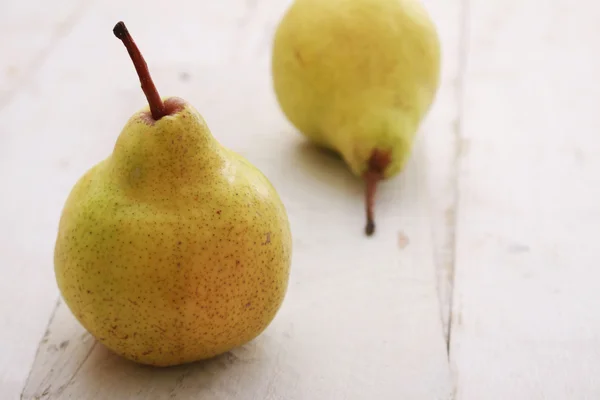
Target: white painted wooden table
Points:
(481, 282)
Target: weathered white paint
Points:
(526, 323)
(362, 316)
(30, 31)
(441, 133)
(29, 34)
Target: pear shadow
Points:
(324, 168)
(129, 379)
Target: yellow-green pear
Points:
(358, 77)
(173, 249)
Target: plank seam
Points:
(463, 52)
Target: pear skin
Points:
(173, 249)
(358, 77)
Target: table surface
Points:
(481, 282)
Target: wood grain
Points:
(441, 134)
(525, 318)
(29, 184)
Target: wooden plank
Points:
(440, 137)
(29, 36)
(525, 318)
(361, 319)
(30, 32)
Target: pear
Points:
(358, 77)
(173, 249)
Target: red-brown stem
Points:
(371, 180)
(157, 107)
(377, 164)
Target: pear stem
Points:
(371, 180)
(157, 107)
(377, 164)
